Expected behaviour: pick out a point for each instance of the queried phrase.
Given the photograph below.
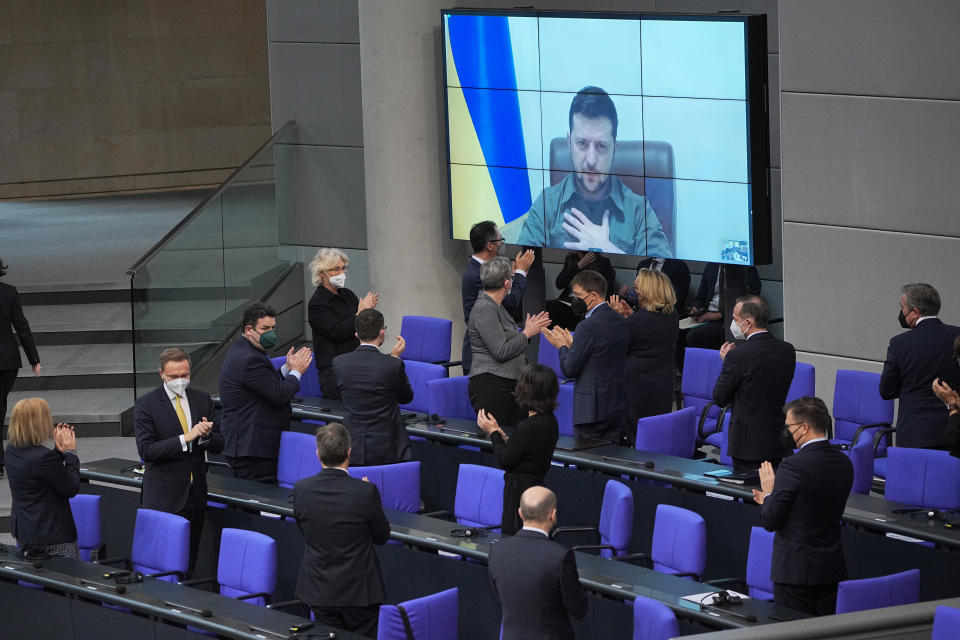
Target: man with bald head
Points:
(753, 383)
(535, 578)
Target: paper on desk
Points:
(690, 323)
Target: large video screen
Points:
(636, 134)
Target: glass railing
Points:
(190, 289)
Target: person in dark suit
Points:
(676, 270)
(175, 477)
(255, 398)
(534, 578)
(653, 332)
(331, 312)
(373, 385)
(486, 242)
(11, 313)
(949, 397)
(754, 382)
(914, 360)
(561, 313)
(341, 519)
(803, 503)
(526, 455)
(705, 307)
(42, 481)
(597, 360)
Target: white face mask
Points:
(177, 386)
(736, 330)
(339, 280)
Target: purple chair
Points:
(247, 569)
(419, 374)
(653, 620)
(309, 381)
(861, 456)
(564, 410)
(616, 522)
(946, 621)
(923, 477)
(479, 498)
(432, 617)
(757, 583)
(679, 542)
(428, 339)
(448, 398)
(399, 484)
(86, 516)
(297, 458)
(858, 409)
(161, 545)
(549, 356)
(701, 368)
(804, 382)
(672, 434)
(877, 593)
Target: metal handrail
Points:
(132, 271)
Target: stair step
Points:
(52, 318)
(82, 360)
(44, 296)
(81, 407)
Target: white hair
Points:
(326, 259)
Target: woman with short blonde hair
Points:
(654, 328)
(42, 481)
(332, 311)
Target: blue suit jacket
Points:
(597, 362)
(254, 402)
(805, 508)
(470, 288)
(914, 359)
(42, 481)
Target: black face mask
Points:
(578, 306)
(903, 320)
(786, 439)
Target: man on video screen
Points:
(590, 209)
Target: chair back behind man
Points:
(399, 484)
(297, 458)
(419, 374)
(946, 621)
(672, 434)
(449, 398)
(564, 411)
(880, 592)
(309, 381)
(856, 403)
(653, 620)
(479, 498)
(679, 542)
(427, 338)
(86, 516)
(432, 617)
(923, 477)
(759, 561)
(616, 518)
(804, 382)
(161, 543)
(701, 368)
(247, 565)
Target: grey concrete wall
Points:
(108, 96)
(870, 122)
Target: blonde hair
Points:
(656, 291)
(325, 259)
(30, 423)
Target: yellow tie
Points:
(183, 422)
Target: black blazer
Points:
(372, 386)
(525, 460)
(754, 381)
(951, 434)
(709, 280)
(254, 402)
(470, 288)
(914, 359)
(11, 313)
(332, 318)
(805, 510)
(598, 363)
(600, 264)
(166, 479)
(537, 584)
(341, 519)
(41, 484)
(679, 274)
(653, 342)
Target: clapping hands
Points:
(558, 337)
(64, 437)
(620, 305)
(535, 324)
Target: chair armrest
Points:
(628, 557)
(195, 581)
(584, 547)
(560, 530)
(725, 582)
(262, 594)
(687, 574)
(437, 514)
(703, 420)
(286, 604)
(878, 435)
(864, 427)
(164, 574)
(448, 365)
(117, 560)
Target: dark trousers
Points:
(361, 620)
(709, 336)
(494, 395)
(741, 465)
(328, 383)
(7, 378)
(194, 510)
(466, 353)
(817, 600)
(250, 468)
(610, 429)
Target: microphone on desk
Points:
(473, 532)
(649, 464)
(725, 599)
(749, 617)
(203, 613)
(119, 588)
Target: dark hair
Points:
(594, 102)
(922, 297)
(369, 322)
(254, 312)
(3, 268)
(812, 411)
(755, 308)
(173, 354)
(333, 444)
(956, 347)
(537, 388)
(481, 234)
(590, 280)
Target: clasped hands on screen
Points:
(590, 236)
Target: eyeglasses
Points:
(338, 269)
(498, 240)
